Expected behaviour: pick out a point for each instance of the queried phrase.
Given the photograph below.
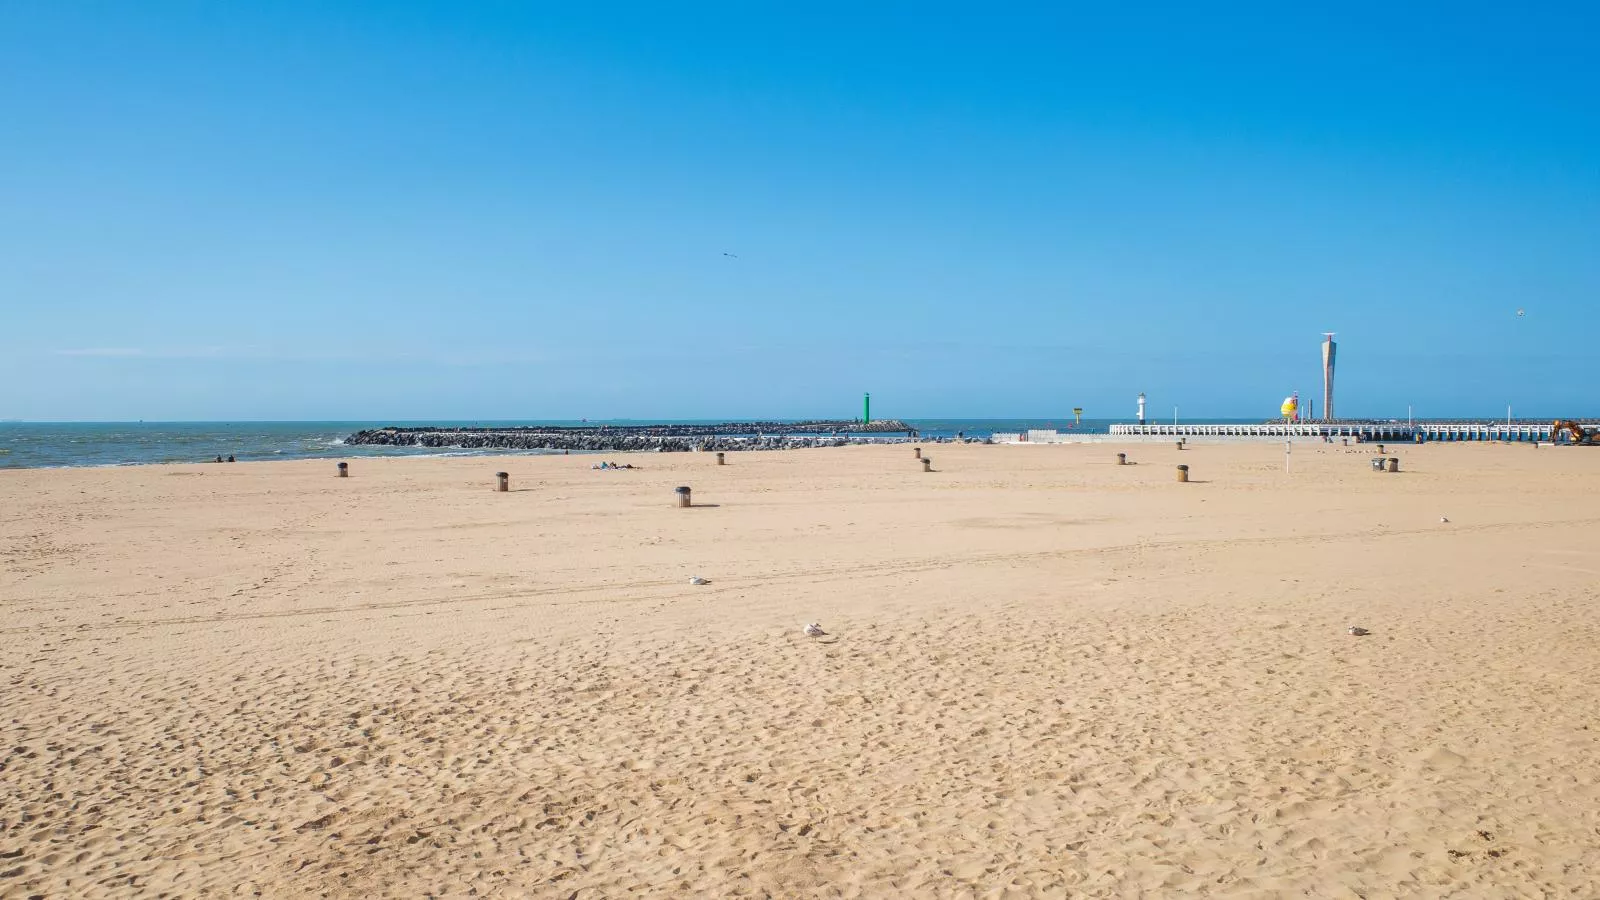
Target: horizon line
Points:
(1068, 417)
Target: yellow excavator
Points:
(1575, 433)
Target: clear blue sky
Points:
(328, 210)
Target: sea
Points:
(29, 445)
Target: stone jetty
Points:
(725, 436)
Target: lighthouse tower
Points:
(1141, 407)
(1329, 348)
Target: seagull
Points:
(814, 629)
(697, 580)
(730, 255)
(1443, 519)
(1358, 631)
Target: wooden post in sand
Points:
(917, 451)
(1394, 464)
(505, 481)
(927, 464)
(344, 470)
(722, 459)
(1122, 459)
(683, 496)
(1380, 449)
(1183, 474)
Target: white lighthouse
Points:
(1141, 407)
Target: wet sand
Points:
(1045, 675)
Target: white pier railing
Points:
(1368, 431)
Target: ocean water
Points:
(26, 445)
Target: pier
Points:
(1400, 432)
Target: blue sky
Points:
(520, 210)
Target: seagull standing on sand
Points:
(814, 629)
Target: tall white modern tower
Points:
(1329, 348)
(1141, 407)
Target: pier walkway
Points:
(1361, 431)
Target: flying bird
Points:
(730, 255)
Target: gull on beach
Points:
(1443, 519)
(698, 580)
(1358, 631)
(814, 629)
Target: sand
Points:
(1045, 675)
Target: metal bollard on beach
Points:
(344, 470)
(683, 496)
(722, 459)
(1183, 474)
(505, 481)
(917, 451)
(1380, 448)
(927, 464)
(1394, 464)
(1122, 459)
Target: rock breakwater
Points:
(727, 436)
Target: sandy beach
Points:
(1044, 675)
